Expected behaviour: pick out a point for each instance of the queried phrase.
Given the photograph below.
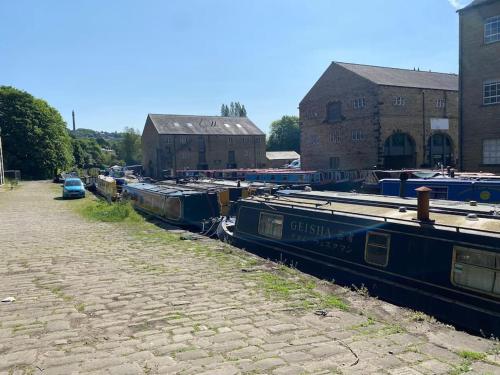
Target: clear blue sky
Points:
(114, 61)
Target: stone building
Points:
(175, 142)
(360, 116)
(480, 85)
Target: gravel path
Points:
(96, 298)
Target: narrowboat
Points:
(106, 187)
(443, 259)
(485, 191)
(180, 205)
(237, 189)
(372, 178)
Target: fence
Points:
(2, 175)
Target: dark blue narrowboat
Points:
(487, 191)
(179, 205)
(444, 260)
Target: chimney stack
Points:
(423, 194)
(74, 124)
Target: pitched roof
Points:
(281, 155)
(404, 77)
(476, 3)
(210, 125)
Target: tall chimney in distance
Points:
(74, 125)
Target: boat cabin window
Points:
(173, 208)
(271, 225)
(377, 248)
(476, 269)
(439, 192)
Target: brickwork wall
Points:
(377, 121)
(478, 62)
(318, 138)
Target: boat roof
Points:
(282, 171)
(448, 214)
(444, 180)
(164, 189)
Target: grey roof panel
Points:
(208, 125)
(404, 77)
(278, 155)
(476, 3)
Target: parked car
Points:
(294, 164)
(73, 188)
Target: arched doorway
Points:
(399, 151)
(440, 150)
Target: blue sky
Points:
(114, 61)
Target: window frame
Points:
(335, 136)
(491, 82)
(359, 103)
(441, 103)
(399, 101)
(497, 161)
(493, 38)
(357, 135)
(387, 247)
(328, 112)
(281, 217)
(496, 270)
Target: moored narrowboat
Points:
(179, 205)
(444, 261)
(486, 191)
(106, 187)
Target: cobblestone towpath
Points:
(103, 298)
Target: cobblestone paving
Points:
(95, 298)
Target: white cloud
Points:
(457, 4)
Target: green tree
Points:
(35, 138)
(87, 153)
(235, 109)
(285, 135)
(129, 148)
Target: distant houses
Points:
(480, 85)
(175, 142)
(360, 116)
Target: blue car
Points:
(73, 188)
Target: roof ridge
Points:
(390, 67)
(172, 114)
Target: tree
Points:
(88, 153)
(35, 138)
(129, 148)
(235, 109)
(285, 135)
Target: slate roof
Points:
(281, 155)
(404, 77)
(476, 3)
(210, 125)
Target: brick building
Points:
(359, 116)
(173, 142)
(480, 85)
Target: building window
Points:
(476, 269)
(183, 140)
(491, 151)
(377, 248)
(271, 225)
(334, 112)
(492, 30)
(314, 139)
(491, 92)
(335, 137)
(357, 135)
(334, 162)
(168, 140)
(399, 101)
(359, 103)
(230, 140)
(246, 153)
(440, 103)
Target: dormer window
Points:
(334, 112)
(492, 30)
